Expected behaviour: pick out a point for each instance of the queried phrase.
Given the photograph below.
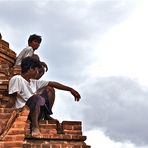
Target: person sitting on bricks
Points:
(38, 95)
(34, 42)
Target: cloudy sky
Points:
(98, 47)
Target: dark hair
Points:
(34, 37)
(28, 63)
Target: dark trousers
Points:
(39, 108)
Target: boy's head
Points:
(34, 41)
(34, 37)
(29, 63)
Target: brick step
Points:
(6, 110)
(58, 137)
(69, 136)
(11, 144)
(51, 127)
(48, 144)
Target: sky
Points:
(98, 47)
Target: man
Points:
(38, 95)
(34, 42)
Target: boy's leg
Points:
(34, 121)
(34, 103)
(49, 95)
(34, 115)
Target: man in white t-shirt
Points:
(38, 95)
(34, 42)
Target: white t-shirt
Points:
(26, 52)
(24, 88)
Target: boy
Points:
(25, 89)
(33, 44)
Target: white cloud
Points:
(118, 105)
(122, 51)
(97, 139)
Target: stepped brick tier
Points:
(68, 136)
(7, 59)
(6, 54)
(14, 123)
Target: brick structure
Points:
(7, 59)
(14, 126)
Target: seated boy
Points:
(33, 44)
(38, 95)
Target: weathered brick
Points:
(4, 116)
(16, 131)
(72, 122)
(48, 131)
(73, 132)
(48, 126)
(14, 138)
(21, 118)
(18, 124)
(11, 144)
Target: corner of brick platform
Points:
(67, 134)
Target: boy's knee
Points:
(34, 98)
(50, 89)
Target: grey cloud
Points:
(17, 14)
(75, 23)
(67, 28)
(118, 105)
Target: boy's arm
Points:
(35, 56)
(66, 88)
(12, 99)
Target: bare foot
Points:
(36, 132)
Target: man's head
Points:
(30, 65)
(34, 41)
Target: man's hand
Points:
(45, 65)
(75, 94)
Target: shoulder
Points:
(28, 48)
(16, 77)
(39, 82)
